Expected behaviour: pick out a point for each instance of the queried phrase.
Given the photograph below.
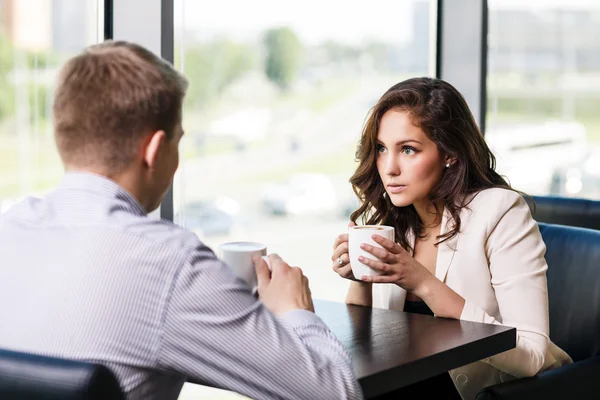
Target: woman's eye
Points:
(408, 150)
(380, 148)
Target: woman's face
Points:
(409, 163)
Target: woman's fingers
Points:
(376, 265)
(346, 271)
(345, 260)
(341, 238)
(378, 279)
(389, 245)
(339, 251)
(381, 254)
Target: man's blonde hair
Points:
(108, 98)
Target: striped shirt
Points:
(87, 275)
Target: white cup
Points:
(238, 255)
(358, 235)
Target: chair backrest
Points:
(34, 377)
(567, 211)
(573, 257)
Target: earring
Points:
(448, 165)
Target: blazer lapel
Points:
(446, 249)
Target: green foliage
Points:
(28, 62)
(336, 52)
(7, 96)
(211, 67)
(284, 52)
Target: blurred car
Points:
(578, 179)
(527, 153)
(350, 205)
(301, 194)
(209, 218)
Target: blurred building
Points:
(533, 40)
(421, 36)
(41, 25)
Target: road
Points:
(306, 240)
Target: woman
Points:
(466, 244)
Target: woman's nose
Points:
(392, 166)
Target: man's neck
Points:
(128, 179)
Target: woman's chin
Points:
(400, 200)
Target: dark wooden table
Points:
(392, 349)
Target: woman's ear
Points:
(449, 161)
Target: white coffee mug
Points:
(238, 255)
(358, 235)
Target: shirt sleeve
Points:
(517, 266)
(216, 333)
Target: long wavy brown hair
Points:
(440, 111)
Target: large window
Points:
(36, 37)
(544, 95)
(278, 96)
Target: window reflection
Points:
(543, 95)
(278, 95)
(36, 38)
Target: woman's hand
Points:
(359, 292)
(400, 268)
(340, 257)
(397, 266)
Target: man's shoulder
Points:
(162, 232)
(45, 213)
(54, 214)
(20, 207)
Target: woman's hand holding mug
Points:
(340, 256)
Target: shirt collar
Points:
(101, 185)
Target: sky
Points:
(544, 4)
(347, 21)
(313, 20)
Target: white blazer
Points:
(496, 263)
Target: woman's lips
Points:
(395, 188)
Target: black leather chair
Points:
(573, 257)
(567, 211)
(32, 377)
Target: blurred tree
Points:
(284, 52)
(379, 53)
(211, 67)
(31, 63)
(40, 93)
(340, 53)
(7, 97)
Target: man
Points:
(86, 274)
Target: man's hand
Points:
(284, 288)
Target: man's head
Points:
(117, 112)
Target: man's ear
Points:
(152, 146)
